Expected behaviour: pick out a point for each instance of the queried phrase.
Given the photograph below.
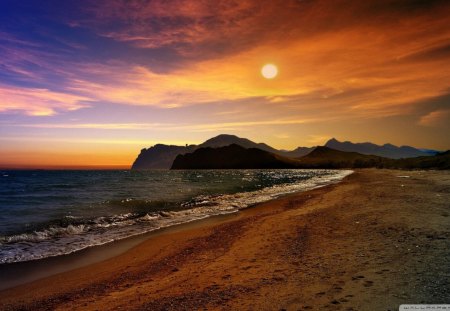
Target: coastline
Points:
(33, 270)
(13, 274)
(63, 228)
(339, 246)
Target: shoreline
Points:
(34, 270)
(22, 272)
(65, 235)
(324, 248)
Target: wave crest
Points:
(79, 234)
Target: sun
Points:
(269, 71)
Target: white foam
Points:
(64, 240)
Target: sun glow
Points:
(269, 71)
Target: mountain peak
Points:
(223, 136)
(223, 139)
(332, 142)
(227, 139)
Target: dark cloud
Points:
(203, 29)
(441, 102)
(438, 52)
(410, 6)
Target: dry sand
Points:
(372, 242)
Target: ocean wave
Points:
(46, 234)
(74, 234)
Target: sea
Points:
(46, 213)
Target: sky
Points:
(91, 83)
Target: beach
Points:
(378, 239)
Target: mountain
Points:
(430, 152)
(440, 161)
(238, 157)
(298, 153)
(159, 156)
(162, 156)
(387, 150)
(226, 140)
(324, 157)
(231, 157)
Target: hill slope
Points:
(231, 157)
(159, 156)
(298, 152)
(440, 161)
(324, 157)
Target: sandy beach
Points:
(376, 240)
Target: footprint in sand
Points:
(335, 302)
(320, 294)
(358, 277)
(337, 288)
(368, 283)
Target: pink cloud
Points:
(38, 102)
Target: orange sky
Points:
(95, 82)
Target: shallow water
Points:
(49, 213)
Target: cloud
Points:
(187, 26)
(74, 141)
(438, 118)
(346, 66)
(282, 136)
(202, 127)
(203, 82)
(92, 126)
(38, 102)
(201, 28)
(318, 140)
(436, 52)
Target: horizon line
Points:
(64, 167)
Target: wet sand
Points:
(376, 240)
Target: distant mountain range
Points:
(237, 157)
(162, 156)
(387, 150)
(325, 157)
